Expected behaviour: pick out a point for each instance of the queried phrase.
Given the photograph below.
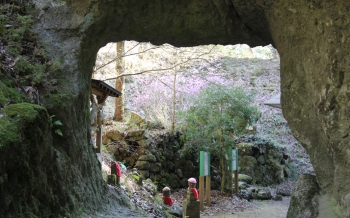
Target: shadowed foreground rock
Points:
(312, 38)
(304, 199)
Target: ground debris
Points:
(220, 204)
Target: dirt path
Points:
(263, 209)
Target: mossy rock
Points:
(242, 185)
(142, 165)
(28, 118)
(135, 138)
(26, 148)
(114, 135)
(62, 100)
(142, 143)
(263, 194)
(135, 119)
(9, 133)
(244, 178)
(8, 93)
(134, 134)
(148, 157)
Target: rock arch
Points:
(312, 38)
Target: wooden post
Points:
(201, 193)
(99, 134)
(236, 181)
(230, 182)
(207, 189)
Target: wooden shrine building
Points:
(101, 90)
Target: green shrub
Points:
(218, 116)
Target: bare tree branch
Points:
(163, 69)
(122, 56)
(133, 47)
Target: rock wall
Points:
(312, 38)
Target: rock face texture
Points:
(304, 200)
(312, 38)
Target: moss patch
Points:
(8, 91)
(26, 116)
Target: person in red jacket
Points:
(166, 199)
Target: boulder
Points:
(277, 198)
(244, 178)
(175, 211)
(134, 133)
(242, 185)
(246, 194)
(142, 143)
(135, 119)
(115, 135)
(284, 192)
(262, 194)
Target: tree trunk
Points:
(119, 82)
(223, 174)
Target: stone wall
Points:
(159, 159)
(263, 161)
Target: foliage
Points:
(219, 115)
(56, 125)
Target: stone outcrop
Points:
(312, 38)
